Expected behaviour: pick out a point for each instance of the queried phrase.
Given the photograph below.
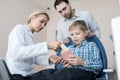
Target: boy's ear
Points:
(86, 33)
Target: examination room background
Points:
(16, 12)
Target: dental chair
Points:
(4, 72)
(102, 54)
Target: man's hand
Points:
(90, 34)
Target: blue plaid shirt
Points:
(89, 52)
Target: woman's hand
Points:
(56, 59)
(66, 40)
(54, 45)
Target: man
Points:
(70, 15)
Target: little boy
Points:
(86, 55)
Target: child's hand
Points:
(67, 65)
(75, 60)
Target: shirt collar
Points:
(28, 28)
(83, 43)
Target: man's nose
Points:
(43, 25)
(64, 12)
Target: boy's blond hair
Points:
(79, 24)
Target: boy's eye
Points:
(77, 33)
(71, 34)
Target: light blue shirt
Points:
(23, 51)
(63, 24)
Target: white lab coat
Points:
(23, 51)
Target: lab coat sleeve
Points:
(43, 59)
(24, 52)
(18, 49)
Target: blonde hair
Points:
(80, 24)
(37, 13)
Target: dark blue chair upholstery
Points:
(102, 53)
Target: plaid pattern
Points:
(89, 52)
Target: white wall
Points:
(14, 12)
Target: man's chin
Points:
(68, 17)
